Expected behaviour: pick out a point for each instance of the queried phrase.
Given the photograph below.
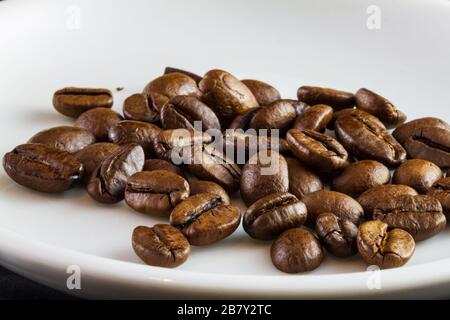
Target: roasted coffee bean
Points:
(160, 164)
(365, 139)
(264, 173)
(430, 143)
(155, 192)
(142, 133)
(93, 155)
(173, 84)
(109, 179)
(354, 111)
(418, 174)
(42, 168)
(142, 107)
(369, 199)
(98, 121)
(226, 95)
(314, 118)
(161, 245)
(241, 146)
(441, 191)
(301, 179)
(420, 215)
(65, 138)
(296, 250)
(263, 92)
(403, 132)
(361, 176)
(194, 76)
(271, 215)
(242, 121)
(72, 101)
(301, 106)
(208, 163)
(383, 248)
(171, 144)
(337, 235)
(202, 186)
(205, 219)
(183, 111)
(331, 97)
(276, 115)
(317, 150)
(343, 206)
(380, 107)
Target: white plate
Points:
(48, 45)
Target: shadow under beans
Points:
(47, 115)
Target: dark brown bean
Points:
(142, 107)
(386, 249)
(317, 150)
(65, 138)
(441, 191)
(42, 168)
(301, 179)
(338, 236)
(271, 215)
(276, 115)
(72, 101)
(98, 121)
(202, 186)
(194, 76)
(314, 118)
(380, 107)
(204, 219)
(159, 164)
(334, 98)
(242, 121)
(161, 245)
(361, 176)
(173, 84)
(263, 92)
(354, 111)
(404, 131)
(418, 174)
(109, 179)
(155, 192)
(296, 250)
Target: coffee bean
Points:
(314, 118)
(343, 206)
(441, 191)
(226, 95)
(159, 164)
(420, 215)
(194, 76)
(331, 97)
(276, 115)
(430, 143)
(42, 168)
(301, 179)
(296, 250)
(161, 245)
(317, 150)
(369, 199)
(242, 121)
(98, 121)
(109, 179)
(183, 111)
(361, 176)
(337, 235)
(142, 107)
(205, 219)
(208, 163)
(265, 173)
(142, 133)
(418, 174)
(202, 186)
(365, 139)
(72, 102)
(155, 192)
(353, 111)
(380, 107)
(65, 138)
(263, 92)
(404, 131)
(173, 84)
(271, 215)
(92, 156)
(383, 248)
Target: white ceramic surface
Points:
(46, 45)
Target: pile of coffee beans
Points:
(314, 172)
